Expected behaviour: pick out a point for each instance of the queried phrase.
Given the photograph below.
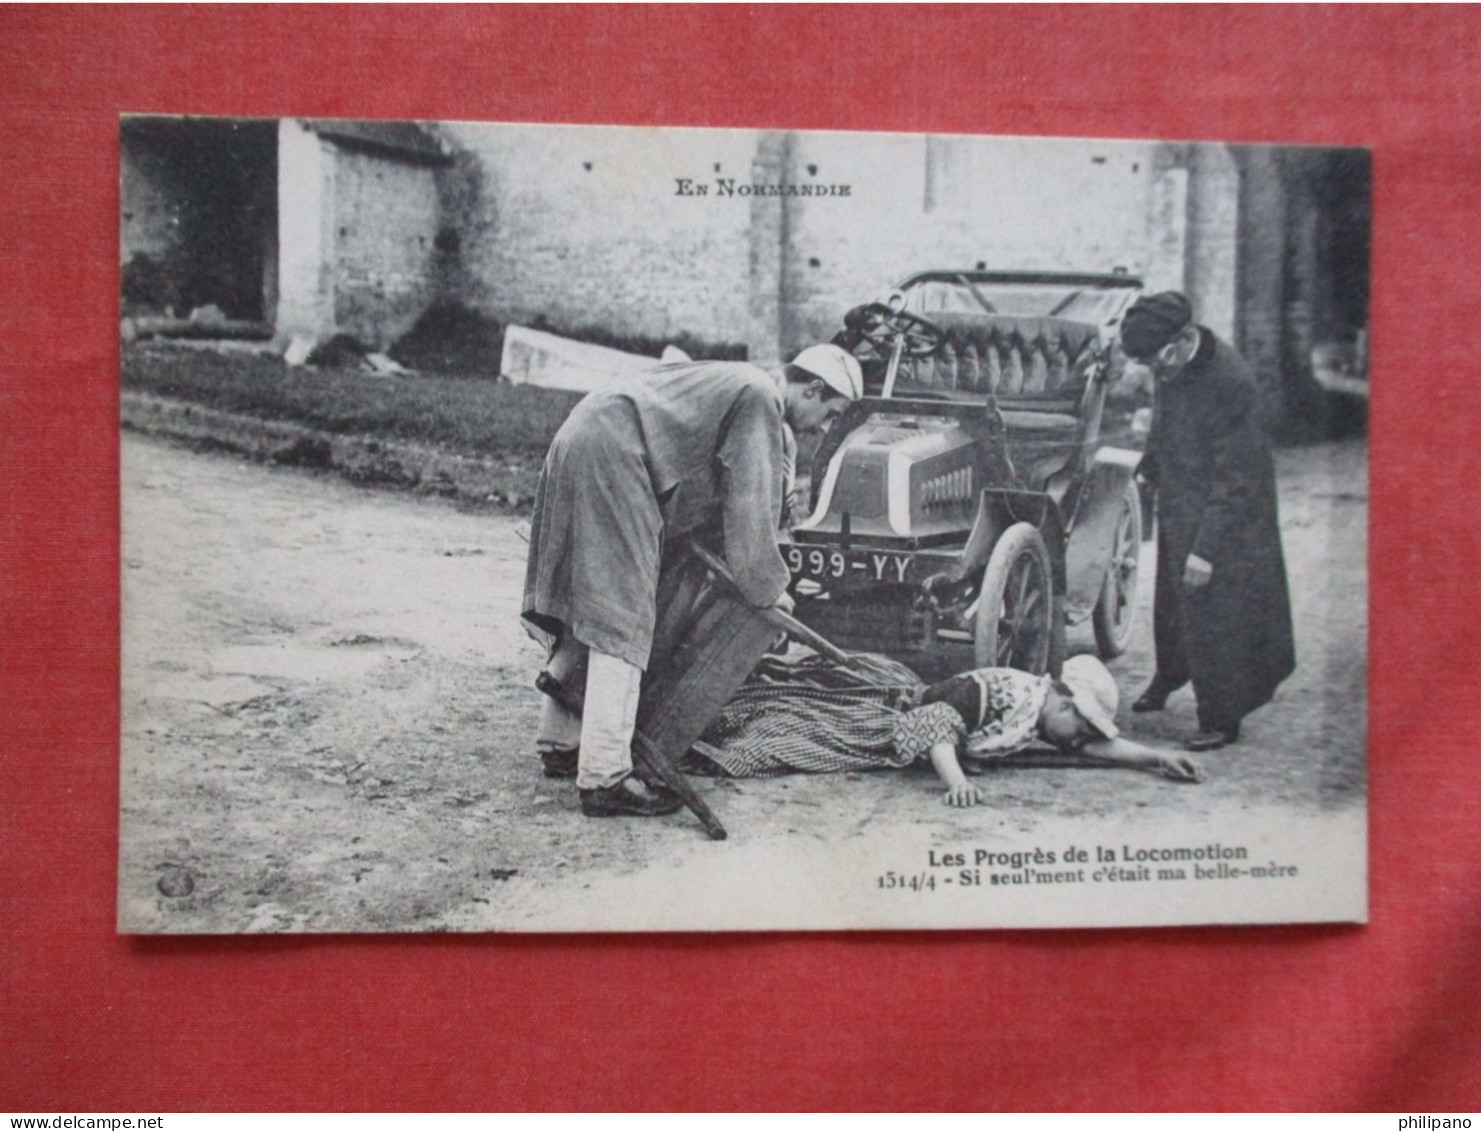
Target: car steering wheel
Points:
(881, 326)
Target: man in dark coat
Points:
(1222, 614)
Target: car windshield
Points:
(1086, 303)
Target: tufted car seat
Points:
(1038, 368)
(1040, 361)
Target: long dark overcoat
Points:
(695, 448)
(1210, 463)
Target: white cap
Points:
(1095, 693)
(835, 367)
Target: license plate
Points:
(822, 564)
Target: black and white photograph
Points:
(590, 528)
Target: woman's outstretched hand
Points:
(963, 795)
(1180, 769)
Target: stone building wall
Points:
(305, 219)
(1210, 276)
(357, 234)
(653, 233)
(385, 223)
(931, 202)
(583, 227)
(315, 227)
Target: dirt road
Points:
(327, 714)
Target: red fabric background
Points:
(1382, 1017)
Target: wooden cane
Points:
(783, 621)
(649, 754)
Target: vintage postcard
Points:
(556, 528)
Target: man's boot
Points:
(1212, 737)
(629, 798)
(1155, 697)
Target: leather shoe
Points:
(1155, 697)
(1211, 738)
(629, 798)
(560, 764)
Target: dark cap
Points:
(1153, 321)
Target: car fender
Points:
(999, 508)
(1092, 528)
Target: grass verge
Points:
(467, 415)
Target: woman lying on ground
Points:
(813, 716)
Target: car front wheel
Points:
(1015, 606)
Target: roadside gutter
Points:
(482, 482)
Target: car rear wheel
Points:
(1015, 606)
(1115, 610)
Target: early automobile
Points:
(967, 509)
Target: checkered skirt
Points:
(811, 716)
